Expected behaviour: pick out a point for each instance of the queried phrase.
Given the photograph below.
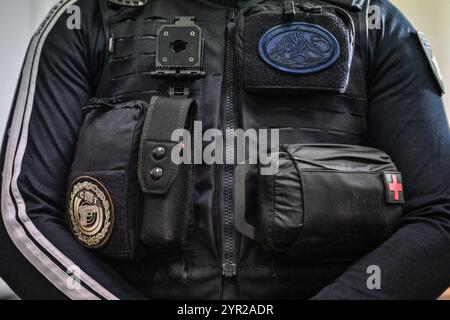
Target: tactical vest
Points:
(201, 270)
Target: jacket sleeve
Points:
(40, 259)
(407, 120)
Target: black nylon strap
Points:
(164, 115)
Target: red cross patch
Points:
(394, 187)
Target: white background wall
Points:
(20, 18)
(18, 21)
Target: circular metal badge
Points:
(91, 212)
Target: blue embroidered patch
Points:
(299, 48)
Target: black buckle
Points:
(181, 87)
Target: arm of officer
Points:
(408, 121)
(40, 258)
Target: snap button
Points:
(156, 173)
(159, 153)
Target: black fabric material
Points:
(115, 129)
(262, 78)
(301, 211)
(127, 70)
(69, 66)
(404, 116)
(309, 117)
(164, 116)
(416, 135)
(168, 200)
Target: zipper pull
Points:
(111, 44)
(231, 15)
(229, 270)
(289, 9)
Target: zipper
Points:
(229, 267)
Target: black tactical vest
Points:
(217, 262)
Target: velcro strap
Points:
(156, 171)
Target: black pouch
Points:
(126, 197)
(167, 186)
(325, 203)
(104, 200)
(291, 48)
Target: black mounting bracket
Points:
(179, 54)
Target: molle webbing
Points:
(131, 56)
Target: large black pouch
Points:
(126, 197)
(325, 203)
(104, 178)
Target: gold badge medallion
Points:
(91, 212)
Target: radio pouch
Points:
(167, 186)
